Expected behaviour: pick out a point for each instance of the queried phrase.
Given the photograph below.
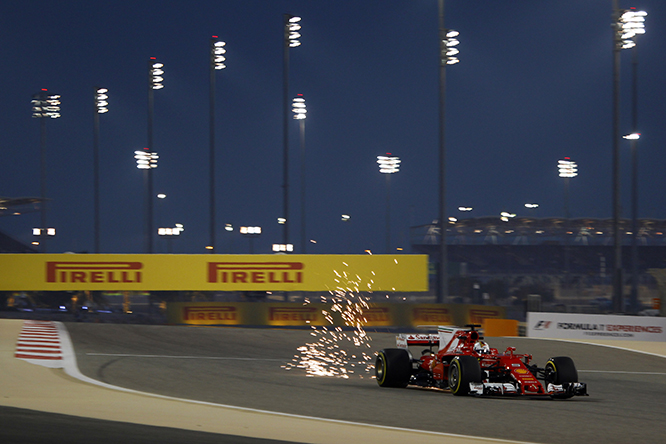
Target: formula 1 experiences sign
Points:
(583, 326)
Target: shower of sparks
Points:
(328, 354)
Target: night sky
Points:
(534, 85)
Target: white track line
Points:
(223, 358)
(621, 372)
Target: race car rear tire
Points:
(462, 371)
(560, 370)
(393, 367)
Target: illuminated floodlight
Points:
(175, 231)
(632, 136)
(40, 231)
(228, 227)
(281, 220)
(388, 164)
(45, 105)
(465, 209)
(346, 217)
(531, 205)
(146, 160)
(156, 72)
(292, 26)
(448, 48)
(283, 248)
(631, 23)
(217, 51)
(250, 230)
(101, 100)
(567, 168)
(298, 107)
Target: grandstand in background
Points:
(573, 258)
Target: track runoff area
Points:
(290, 406)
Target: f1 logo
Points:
(542, 325)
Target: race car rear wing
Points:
(407, 340)
(441, 339)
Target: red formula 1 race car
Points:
(464, 364)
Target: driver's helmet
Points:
(481, 348)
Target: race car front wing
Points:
(508, 388)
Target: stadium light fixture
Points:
(631, 23)
(448, 48)
(156, 72)
(145, 160)
(388, 164)
(217, 51)
(292, 28)
(283, 248)
(567, 167)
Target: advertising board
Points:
(584, 326)
(192, 272)
(319, 314)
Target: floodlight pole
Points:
(634, 181)
(96, 171)
(443, 274)
(618, 297)
(100, 106)
(149, 171)
(301, 125)
(285, 128)
(290, 36)
(44, 106)
(216, 62)
(211, 150)
(42, 168)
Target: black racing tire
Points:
(560, 370)
(393, 367)
(462, 371)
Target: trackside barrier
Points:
(500, 327)
(213, 272)
(320, 314)
(582, 326)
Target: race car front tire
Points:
(561, 370)
(462, 371)
(393, 367)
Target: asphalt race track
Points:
(245, 367)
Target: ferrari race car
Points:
(464, 364)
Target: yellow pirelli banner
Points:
(385, 314)
(161, 272)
